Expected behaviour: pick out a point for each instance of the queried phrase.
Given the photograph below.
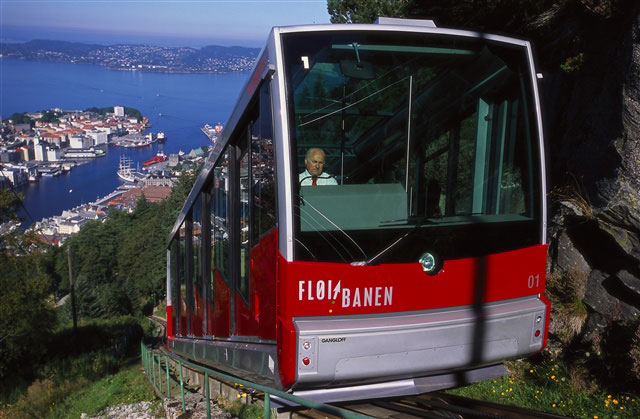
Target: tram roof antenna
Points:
(398, 21)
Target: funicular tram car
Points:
(421, 266)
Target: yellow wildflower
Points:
(615, 401)
(553, 405)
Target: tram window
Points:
(418, 130)
(197, 246)
(263, 169)
(174, 282)
(243, 280)
(182, 283)
(220, 220)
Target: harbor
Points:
(49, 149)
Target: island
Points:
(148, 58)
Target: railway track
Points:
(437, 405)
(440, 405)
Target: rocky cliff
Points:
(589, 54)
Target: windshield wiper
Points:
(418, 222)
(409, 220)
(304, 202)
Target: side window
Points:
(196, 252)
(181, 285)
(263, 169)
(174, 283)
(243, 282)
(220, 219)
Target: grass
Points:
(161, 310)
(84, 372)
(550, 386)
(241, 410)
(70, 398)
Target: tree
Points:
(26, 316)
(364, 11)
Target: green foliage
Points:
(21, 118)
(64, 398)
(26, 316)
(73, 361)
(50, 116)
(241, 410)
(9, 204)
(119, 266)
(363, 11)
(573, 64)
(549, 385)
(131, 112)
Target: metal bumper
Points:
(379, 348)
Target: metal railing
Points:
(152, 361)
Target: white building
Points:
(98, 137)
(53, 154)
(79, 142)
(27, 153)
(16, 176)
(71, 225)
(118, 110)
(40, 152)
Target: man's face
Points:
(315, 163)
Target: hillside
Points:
(209, 59)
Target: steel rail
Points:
(150, 355)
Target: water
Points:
(177, 104)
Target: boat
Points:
(158, 158)
(50, 171)
(124, 170)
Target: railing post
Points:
(267, 406)
(166, 360)
(206, 390)
(182, 388)
(159, 374)
(153, 369)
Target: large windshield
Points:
(394, 133)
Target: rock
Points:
(630, 282)
(141, 410)
(196, 406)
(568, 257)
(599, 298)
(594, 328)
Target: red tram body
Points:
(418, 262)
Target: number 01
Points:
(533, 281)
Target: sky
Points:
(194, 23)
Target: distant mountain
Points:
(209, 59)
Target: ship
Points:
(158, 158)
(124, 170)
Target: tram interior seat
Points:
(351, 207)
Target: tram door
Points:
(253, 234)
(218, 319)
(243, 236)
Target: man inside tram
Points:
(314, 175)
